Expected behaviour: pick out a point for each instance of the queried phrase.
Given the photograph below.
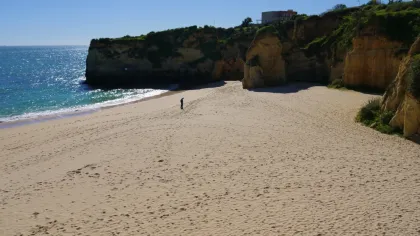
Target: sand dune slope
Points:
(286, 161)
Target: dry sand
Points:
(286, 161)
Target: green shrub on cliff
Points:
(211, 49)
(401, 26)
(211, 40)
(299, 17)
(339, 9)
(372, 116)
(316, 44)
(414, 77)
(278, 29)
(337, 84)
(367, 112)
(352, 20)
(401, 6)
(266, 29)
(396, 21)
(238, 34)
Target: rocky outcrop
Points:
(403, 94)
(264, 65)
(373, 62)
(186, 56)
(304, 31)
(300, 67)
(274, 58)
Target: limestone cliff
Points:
(185, 56)
(275, 56)
(403, 95)
(362, 47)
(373, 62)
(265, 65)
(306, 30)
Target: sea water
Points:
(37, 81)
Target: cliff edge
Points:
(403, 95)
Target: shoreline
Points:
(76, 112)
(82, 112)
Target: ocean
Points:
(37, 81)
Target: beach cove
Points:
(274, 161)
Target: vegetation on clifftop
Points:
(186, 31)
(399, 21)
(177, 36)
(278, 28)
(211, 41)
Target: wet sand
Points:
(77, 112)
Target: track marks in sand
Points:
(236, 163)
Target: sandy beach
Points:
(278, 161)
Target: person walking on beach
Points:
(182, 103)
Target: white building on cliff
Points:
(273, 16)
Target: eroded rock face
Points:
(264, 65)
(314, 27)
(402, 94)
(300, 67)
(407, 116)
(196, 59)
(373, 62)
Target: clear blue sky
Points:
(76, 22)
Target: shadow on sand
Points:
(287, 88)
(176, 87)
(202, 86)
(415, 139)
(365, 90)
(295, 87)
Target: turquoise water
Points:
(38, 81)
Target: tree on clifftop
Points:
(335, 8)
(246, 22)
(374, 2)
(339, 7)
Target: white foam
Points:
(85, 108)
